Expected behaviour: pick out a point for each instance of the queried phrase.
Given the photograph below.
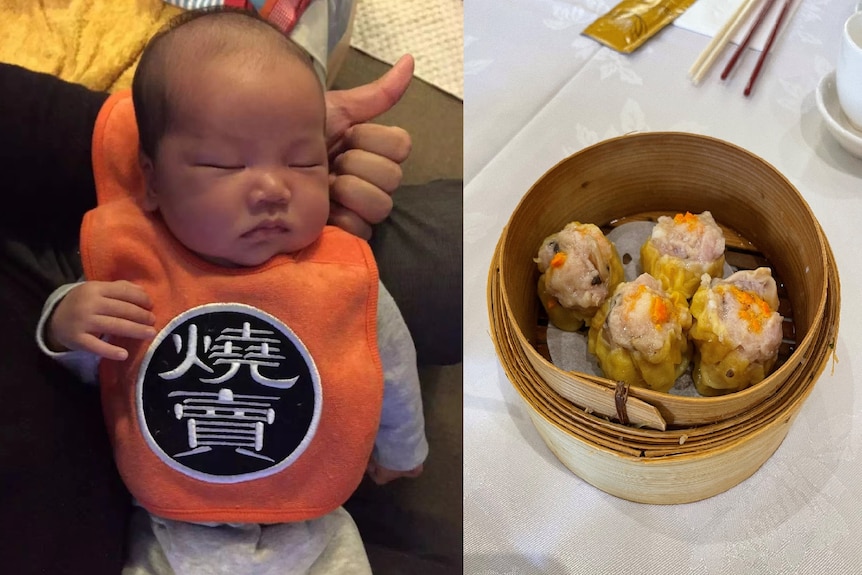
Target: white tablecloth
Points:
(537, 91)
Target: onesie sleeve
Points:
(401, 444)
(82, 363)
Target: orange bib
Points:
(259, 399)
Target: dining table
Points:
(537, 90)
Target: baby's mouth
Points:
(265, 230)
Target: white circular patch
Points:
(228, 393)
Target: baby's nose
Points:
(270, 189)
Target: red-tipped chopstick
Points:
(769, 41)
(741, 48)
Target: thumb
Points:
(366, 102)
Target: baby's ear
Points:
(150, 201)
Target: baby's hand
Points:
(381, 475)
(95, 309)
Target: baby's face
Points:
(241, 174)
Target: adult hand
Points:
(365, 158)
(95, 309)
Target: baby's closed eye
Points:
(220, 165)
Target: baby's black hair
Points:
(151, 88)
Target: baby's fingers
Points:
(119, 326)
(126, 291)
(112, 326)
(102, 348)
(127, 311)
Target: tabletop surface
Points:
(537, 91)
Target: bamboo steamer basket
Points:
(675, 449)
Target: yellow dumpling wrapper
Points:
(683, 273)
(579, 268)
(644, 344)
(564, 318)
(726, 362)
(676, 274)
(710, 378)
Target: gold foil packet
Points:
(632, 22)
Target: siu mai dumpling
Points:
(580, 268)
(683, 248)
(639, 335)
(736, 331)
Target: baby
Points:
(251, 365)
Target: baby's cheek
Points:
(318, 208)
(208, 230)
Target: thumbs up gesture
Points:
(365, 159)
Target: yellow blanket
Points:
(92, 42)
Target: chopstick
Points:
(706, 58)
(741, 48)
(769, 41)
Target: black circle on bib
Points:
(228, 393)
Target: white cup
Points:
(848, 73)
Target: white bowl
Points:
(839, 126)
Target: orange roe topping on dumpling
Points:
(688, 218)
(558, 260)
(659, 311)
(754, 309)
